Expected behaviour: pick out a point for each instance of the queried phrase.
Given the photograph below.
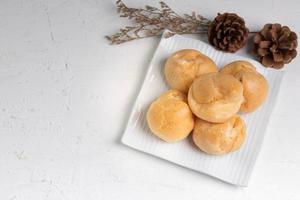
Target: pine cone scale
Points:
(219, 35)
(285, 45)
(293, 54)
(274, 35)
(215, 41)
(262, 51)
(293, 36)
(257, 38)
(265, 44)
(225, 41)
(278, 57)
(235, 24)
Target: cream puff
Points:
(219, 138)
(215, 97)
(169, 117)
(254, 84)
(184, 66)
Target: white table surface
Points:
(65, 96)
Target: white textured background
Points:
(65, 95)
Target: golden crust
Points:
(215, 97)
(238, 66)
(169, 117)
(218, 139)
(173, 94)
(186, 65)
(254, 84)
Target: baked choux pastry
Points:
(254, 84)
(238, 66)
(186, 65)
(221, 138)
(215, 97)
(173, 94)
(170, 118)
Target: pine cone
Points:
(228, 32)
(275, 45)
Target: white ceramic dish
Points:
(234, 168)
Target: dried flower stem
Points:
(153, 21)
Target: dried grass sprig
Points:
(151, 21)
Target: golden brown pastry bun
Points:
(186, 65)
(173, 94)
(219, 138)
(215, 97)
(169, 117)
(238, 66)
(255, 85)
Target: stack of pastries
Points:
(206, 101)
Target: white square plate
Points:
(234, 168)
